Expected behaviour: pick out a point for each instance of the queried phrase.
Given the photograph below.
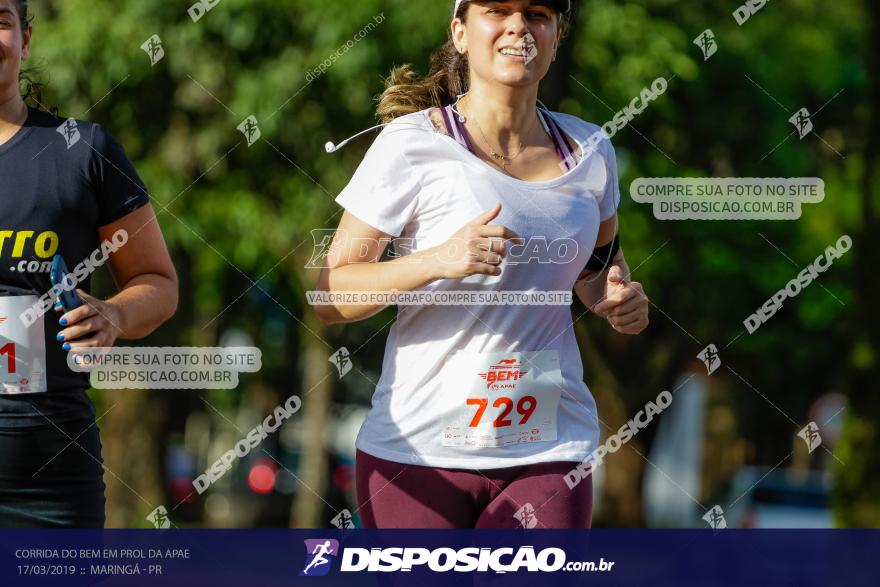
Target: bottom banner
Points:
(247, 558)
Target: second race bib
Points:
(22, 349)
(502, 398)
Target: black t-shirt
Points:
(60, 180)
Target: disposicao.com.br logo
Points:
(321, 552)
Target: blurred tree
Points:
(857, 502)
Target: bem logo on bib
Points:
(504, 370)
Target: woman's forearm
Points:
(402, 274)
(591, 289)
(143, 305)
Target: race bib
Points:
(498, 399)
(22, 349)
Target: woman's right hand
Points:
(477, 248)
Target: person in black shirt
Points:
(66, 187)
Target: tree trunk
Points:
(308, 504)
(621, 496)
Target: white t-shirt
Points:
(482, 386)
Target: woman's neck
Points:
(505, 115)
(13, 114)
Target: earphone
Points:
(461, 117)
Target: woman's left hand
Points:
(94, 324)
(625, 305)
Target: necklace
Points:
(499, 159)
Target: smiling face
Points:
(14, 45)
(510, 42)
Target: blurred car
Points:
(779, 498)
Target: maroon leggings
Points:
(399, 495)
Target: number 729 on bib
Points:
(498, 399)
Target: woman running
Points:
(67, 187)
(481, 410)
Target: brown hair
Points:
(31, 90)
(447, 79)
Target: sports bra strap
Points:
(455, 129)
(559, 140)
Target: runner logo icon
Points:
(319, 554)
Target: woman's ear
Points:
(458, 34)
(26, 42)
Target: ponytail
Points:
(448, 78)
